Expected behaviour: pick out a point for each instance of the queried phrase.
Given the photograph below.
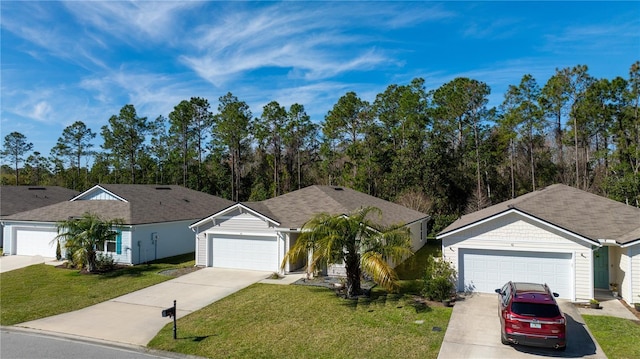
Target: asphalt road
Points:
(17, 344)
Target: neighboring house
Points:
(256, 235)
(573, 240)
(15, 199)
(156, 221)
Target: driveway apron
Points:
(135, 318)
(474, 332)
(9, 263)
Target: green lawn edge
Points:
(43, 290)
(618, 337)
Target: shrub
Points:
(439, 279)
(105, 262)
(58, 251)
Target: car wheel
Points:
(561, 349)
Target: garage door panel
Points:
(485, 270)
(30, 242)
(245, 252)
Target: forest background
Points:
(443, 152)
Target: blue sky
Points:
(84, 60)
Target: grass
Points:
(414, 267)
(42, 290)
(275, 321)
(618, 337)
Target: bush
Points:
(105, 262)
(439, 280)
(58, 251)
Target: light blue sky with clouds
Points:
(84, 60)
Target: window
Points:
(110, 246)
(535, 309)
(115, 245)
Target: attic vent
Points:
(186, 200)
(338, 188)
(37, 189)
(163, 188)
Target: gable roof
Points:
(295, 208)
(583, 213)
(15, 199)
(139, 204)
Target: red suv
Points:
(529, 315)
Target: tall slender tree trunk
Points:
(513, 180)
(575, 137)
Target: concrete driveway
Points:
(474, 332)
(9, 263)
(135, 318)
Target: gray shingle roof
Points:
(295, 208)
(586, 214)
(15, 199)
(145, 204)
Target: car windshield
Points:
(535, 309)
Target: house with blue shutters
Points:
(155, 221)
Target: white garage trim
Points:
(243, 251)
(482, 270)
(34, 241)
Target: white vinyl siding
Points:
(201, 249)
(173, 238)
(97, 195)
(515, 232)
(621, 268)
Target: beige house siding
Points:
(634, 255)
(418, 234)
(515, 232)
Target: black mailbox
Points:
(169, 312)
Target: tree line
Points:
(443, 152)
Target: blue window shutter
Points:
(119, 242)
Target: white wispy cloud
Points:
(605, 37)
(310, 41)
(132, 22)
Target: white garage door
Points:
(484, 270)
(36, 242)
(245, 252)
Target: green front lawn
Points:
(618, 337)
(415, 266)
(275, 321)
(42, 290)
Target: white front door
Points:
(485, 270)
(245, 252)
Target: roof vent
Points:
(37, 189)
(163, 188)
(338, 188)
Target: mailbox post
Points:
(171, 313)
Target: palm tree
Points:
(83, 236)
(356, 241)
